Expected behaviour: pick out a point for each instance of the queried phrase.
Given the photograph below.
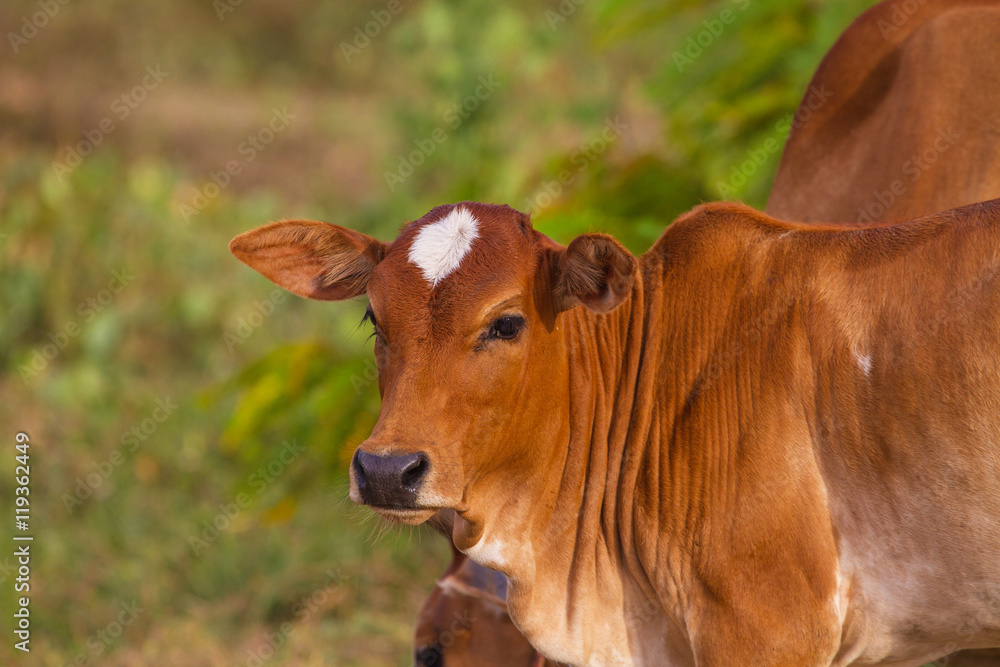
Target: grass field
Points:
(188, 424)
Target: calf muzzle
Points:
(390, 481)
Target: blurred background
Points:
(189, 424)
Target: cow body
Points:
(911, 121)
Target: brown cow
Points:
(761, 443)
(911, 123)
(872, 152)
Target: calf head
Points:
(465, 305)
(464, 622)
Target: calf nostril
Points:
(359, 471)
(414, 471)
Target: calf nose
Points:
(430, 656)
(389, 481)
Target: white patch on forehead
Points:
(440, 246)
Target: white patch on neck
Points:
(452, 585)
(440, 246)
(864, 362)
(488, 554)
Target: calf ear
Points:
(312, 259)
(596, 271)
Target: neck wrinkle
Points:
(654, 492)
(604, 448)
(636, 454)
(598, 524)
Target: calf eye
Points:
(506, 327)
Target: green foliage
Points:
(729, 71)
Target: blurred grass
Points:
(249, 371)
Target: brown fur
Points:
(313, 262)
(464, 622)
(930, 85)
(867, 64)
(595, 271)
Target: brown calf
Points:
(464, 622)
(761, 443)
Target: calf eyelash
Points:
(369, 316)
